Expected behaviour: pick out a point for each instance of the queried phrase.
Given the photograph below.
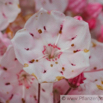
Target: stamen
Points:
(38, 59)
(63, 50)
(57, 39)
(93, 71)
(52, 53)
(23, 95)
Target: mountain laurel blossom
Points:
(52, 46)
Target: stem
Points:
(39, 88)
(54, 98)
(66, 93)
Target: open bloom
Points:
(96, 65)
(52, 47)
(9, 10)
(60, 5)
(17, 85)
(94, 74)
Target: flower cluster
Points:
(50, 48)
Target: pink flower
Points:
(18, 85)
(60, 5)
(92, 10)
(93, 84)
(9, 9)
(77, 6)
(52, 47)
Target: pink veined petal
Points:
(42, 19)
(26, 47)
(75, 32)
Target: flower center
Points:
(25, 79)
(51, 52)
